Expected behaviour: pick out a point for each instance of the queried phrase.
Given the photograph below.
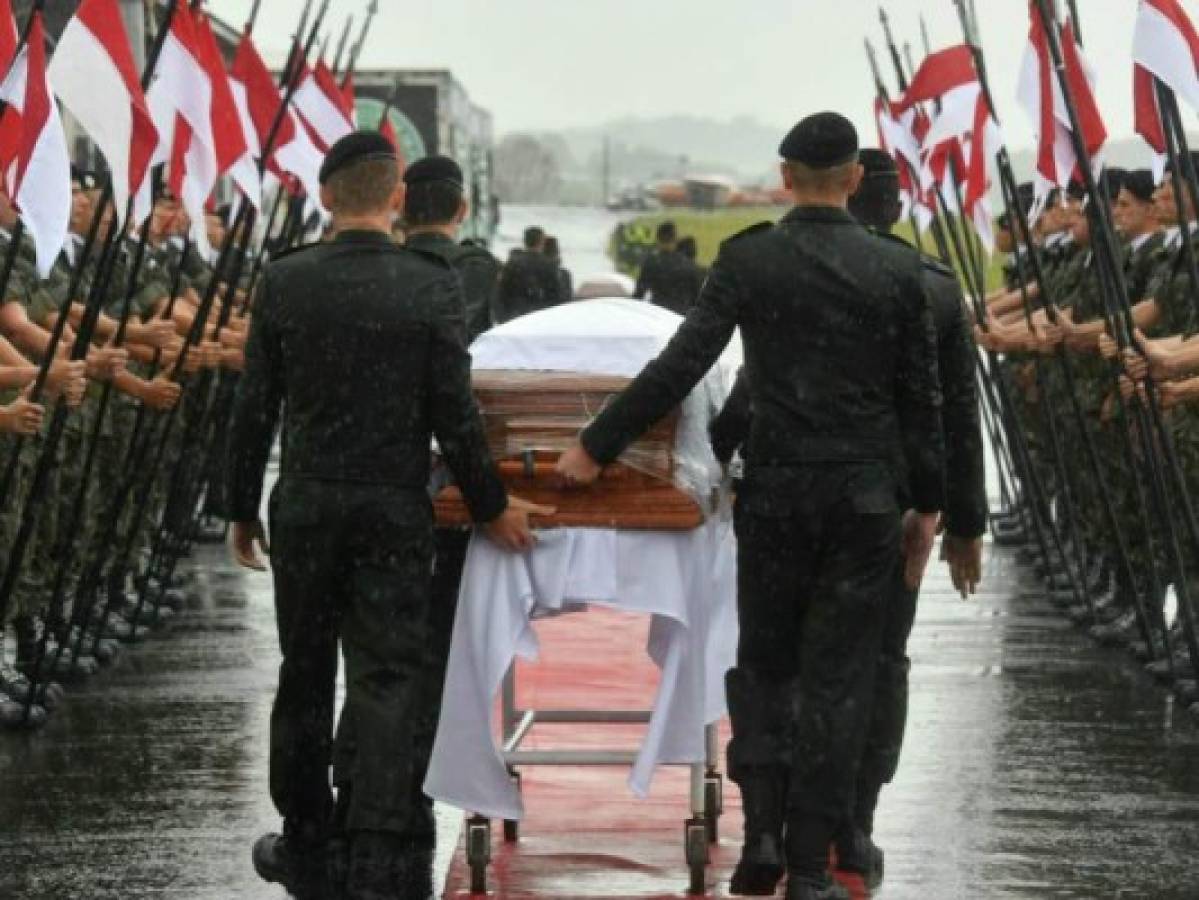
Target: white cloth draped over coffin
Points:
(685, 580)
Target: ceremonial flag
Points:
(1041, 97)
(328, 85)
(40, 181)
(255, 91)
(93, 74)
(939, 74)
(322, 112)
(10, 118)
(180, 101)
(1164, 42)
(233, 151)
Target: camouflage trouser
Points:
(73, 490)
(30, 593)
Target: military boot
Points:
(293, 861)
(13, 715)
(857, 853)
(18, 687)
(761, 866)
(762, 715)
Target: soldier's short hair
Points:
(667, 232)
(534, 237)
(824, 178)
(363, 187)
(431, 203)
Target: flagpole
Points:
(352, 65)
(341, 45)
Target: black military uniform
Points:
(362, 344)
(529, 282)
(478, 271)
(965, 510)
(840, 362)
(670, 280)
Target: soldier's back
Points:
(355, 323)
(823, 330)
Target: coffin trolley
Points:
(532, 414)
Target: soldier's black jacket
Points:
(362, 344)
(670, 280)
(840, 354)
(528, 283)
(965, 469)
(477, 269)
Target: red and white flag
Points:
(321, 110)
(233, 150)
(1165, 47)
(40, 180)
(939, 74)
(10, 118)
(1040, 94)
(180, 101)
(1165, 43)
(255, 91)
(94, 76)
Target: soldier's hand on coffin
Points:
(511, 531)
(161, 394)
(22, 417)
(576, 468)
(919, 536)
(245, 539)
(965, 559)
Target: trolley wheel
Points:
(713, 804)
(478, 852)
(695, 843)
(512, 827)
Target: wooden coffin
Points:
(531, 417)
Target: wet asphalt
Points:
(1037, 765)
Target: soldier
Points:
(668, 279)
(435, 207)
(528, 282)
(876, 205)
(841, 370)
(365, 340)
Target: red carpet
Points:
(585, 835)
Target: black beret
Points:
(878, 163)
(435, 168)
(1140, 184)
(355, 147)
(821, 141)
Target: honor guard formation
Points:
(156, 364)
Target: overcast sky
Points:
(549, 64)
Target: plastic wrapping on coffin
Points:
(531, 417)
